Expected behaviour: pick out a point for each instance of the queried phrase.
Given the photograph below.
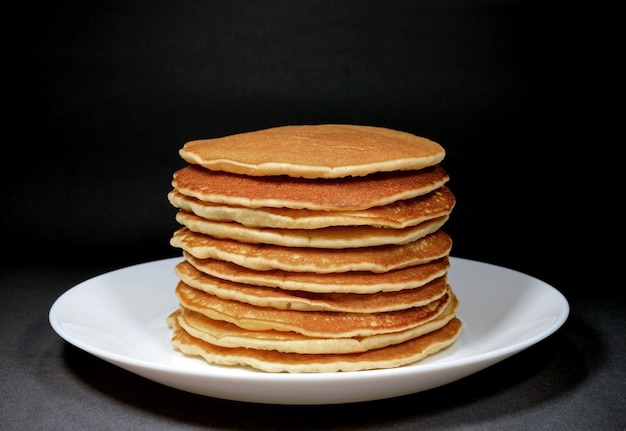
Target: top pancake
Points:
(314, 151)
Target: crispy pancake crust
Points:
(264, 257)
(262, 296)
(327, 195)
(397, 215)
(393, 356)
(327, 237)
(341, 282)
(314, 151)
(313, 248)
(226, 334)
(327, 324)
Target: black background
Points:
(115, 88)
(525, 96)
(108, 91)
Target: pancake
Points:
(341, 282)
(314, 151)
(280, 191)
(329, 324)
(327, 237)
(226, 334)
(393, 356)
(399, 214)
(264, 257)
(313, 248)
(263, 296)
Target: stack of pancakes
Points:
(313, 248)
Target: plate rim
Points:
(144, 367)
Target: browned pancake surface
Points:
(342, 282)
(273, 361)
(286, 192)
(314, 323)
(309, 259)
(314, 151)
(327, 237)
(313, 248)
(307, 301)
(399, 214)
(227, 334)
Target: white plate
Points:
(120, 317)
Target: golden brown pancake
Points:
(331, 324)
(313, 248)
(393, 356)
(399, 214)
(341, 282)
(314, 151)
(343, 194)
(264, 257)
(327, 237)
(263, 296)
(226, 334)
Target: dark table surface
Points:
(574, 379)
(101, 95)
